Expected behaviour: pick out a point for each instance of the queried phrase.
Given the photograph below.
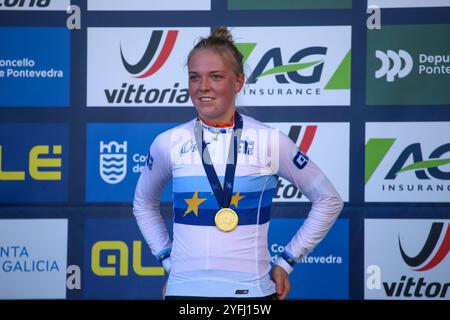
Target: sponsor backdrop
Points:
(362, 87)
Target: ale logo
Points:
(144, 68)
(393, 64)
(113, 161)
(120, 267)
(377, 149)
(419, 261)
(289, 72)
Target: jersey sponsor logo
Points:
(118, 259)
(282, 71)
(149, 161)
(145, 66)
(245, 147)
(402, 166)
(113, 161)
(300, 160)
(35, 67)
(33, 163)
(407, 259)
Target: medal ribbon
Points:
(222, 195)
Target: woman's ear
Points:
(239, 83)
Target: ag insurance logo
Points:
(407, 259)
(34, 163)
(407, 162)
(295, 65)
(328, 145)
(139, 66)
(34, 67)
(116, 155)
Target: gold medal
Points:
(226, 219)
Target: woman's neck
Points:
(225, 124)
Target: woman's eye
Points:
(216, 76)
(193, 77)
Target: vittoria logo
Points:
(436, 247)
(34, 4)
(407, 258)
(113, 161)
(144, 68)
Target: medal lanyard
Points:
(222, 195)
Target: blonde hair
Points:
(221, 41)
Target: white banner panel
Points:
(295, 66)
(407, 162)
(139, 66)
(408, 3)
(406, 259)
(33, 259)
(328, 145)
(150, 5)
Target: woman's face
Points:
(213, 85)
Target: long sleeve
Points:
(151, 183)
(296, 167)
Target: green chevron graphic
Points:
(376, 150)
(341, 77)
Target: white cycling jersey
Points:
(203, 260)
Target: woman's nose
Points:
(204, 84)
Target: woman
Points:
(225, 168)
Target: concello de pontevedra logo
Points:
(393, 64)
(419, 262)
(148, 64)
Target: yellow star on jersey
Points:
(193, 204)
(236, 198)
